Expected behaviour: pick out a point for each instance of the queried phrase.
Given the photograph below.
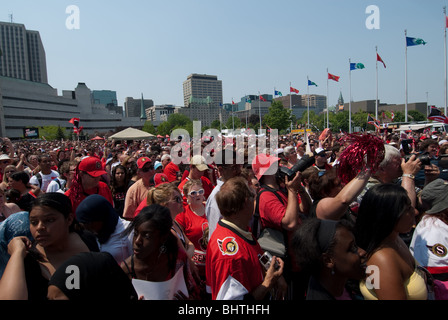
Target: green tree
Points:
(175, 121)
(278, 117)
(415, 115)
(149, 127)
(233, 121)
(216, 124)
(52, 132)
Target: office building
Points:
(202, 86)
(22, 54)
(133, 107)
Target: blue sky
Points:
(150, 47)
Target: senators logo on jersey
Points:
(438, 249)
(228, 246)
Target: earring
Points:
(162, 249)
(333, 272)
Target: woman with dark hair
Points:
(20, 182)
(119, 184)
(331, 199)
(384, 213)
(157, 255)
(327, 251)
(53, 228)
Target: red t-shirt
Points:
(232, 268)
(195, 228)
(102, 189)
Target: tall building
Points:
(22, 54)
(106, 97)
(133, 107)
(202, 86)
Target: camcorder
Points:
(305, 162)
(423, 157)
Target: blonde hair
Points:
(161, 194)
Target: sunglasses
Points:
(146, 169)
(196, 192)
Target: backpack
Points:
(39, 179)
(271, 240)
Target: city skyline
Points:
(252, 46)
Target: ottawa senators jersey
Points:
(232, 268)
(429, 246)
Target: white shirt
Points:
(54, 186)
(119, 246)
(211, 209)
(429, 244)
(46, 179)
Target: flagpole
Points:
(445, 88)
(406, 78)
(290, 104)
(245, 108)
(308, 106)
(350, 97)
(328, 122)
(376, 101)
(233, 118)
(259, 108)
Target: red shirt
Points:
(271, 210)
(195, 227)
(102, 189)
(232, 268)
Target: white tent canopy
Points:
(132, 134)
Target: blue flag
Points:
(311, 83)
(354, 66)
(278, 93)
(414, 41)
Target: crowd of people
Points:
(286, 224)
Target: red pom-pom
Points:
(364, 151)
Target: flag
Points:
(378, 58)
(354, 66)
(414, 41)
(392, 115)
(311, 83)
(278, 93)
(74, 121)
(373, 121)
(291, 89)
(248, 100)
(446, 22)
(437, 115)
(333, 77)
(233, 102)
(261, 98)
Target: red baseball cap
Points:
(92, 166)
(160, 178)
(142, 161)
(263, 164)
